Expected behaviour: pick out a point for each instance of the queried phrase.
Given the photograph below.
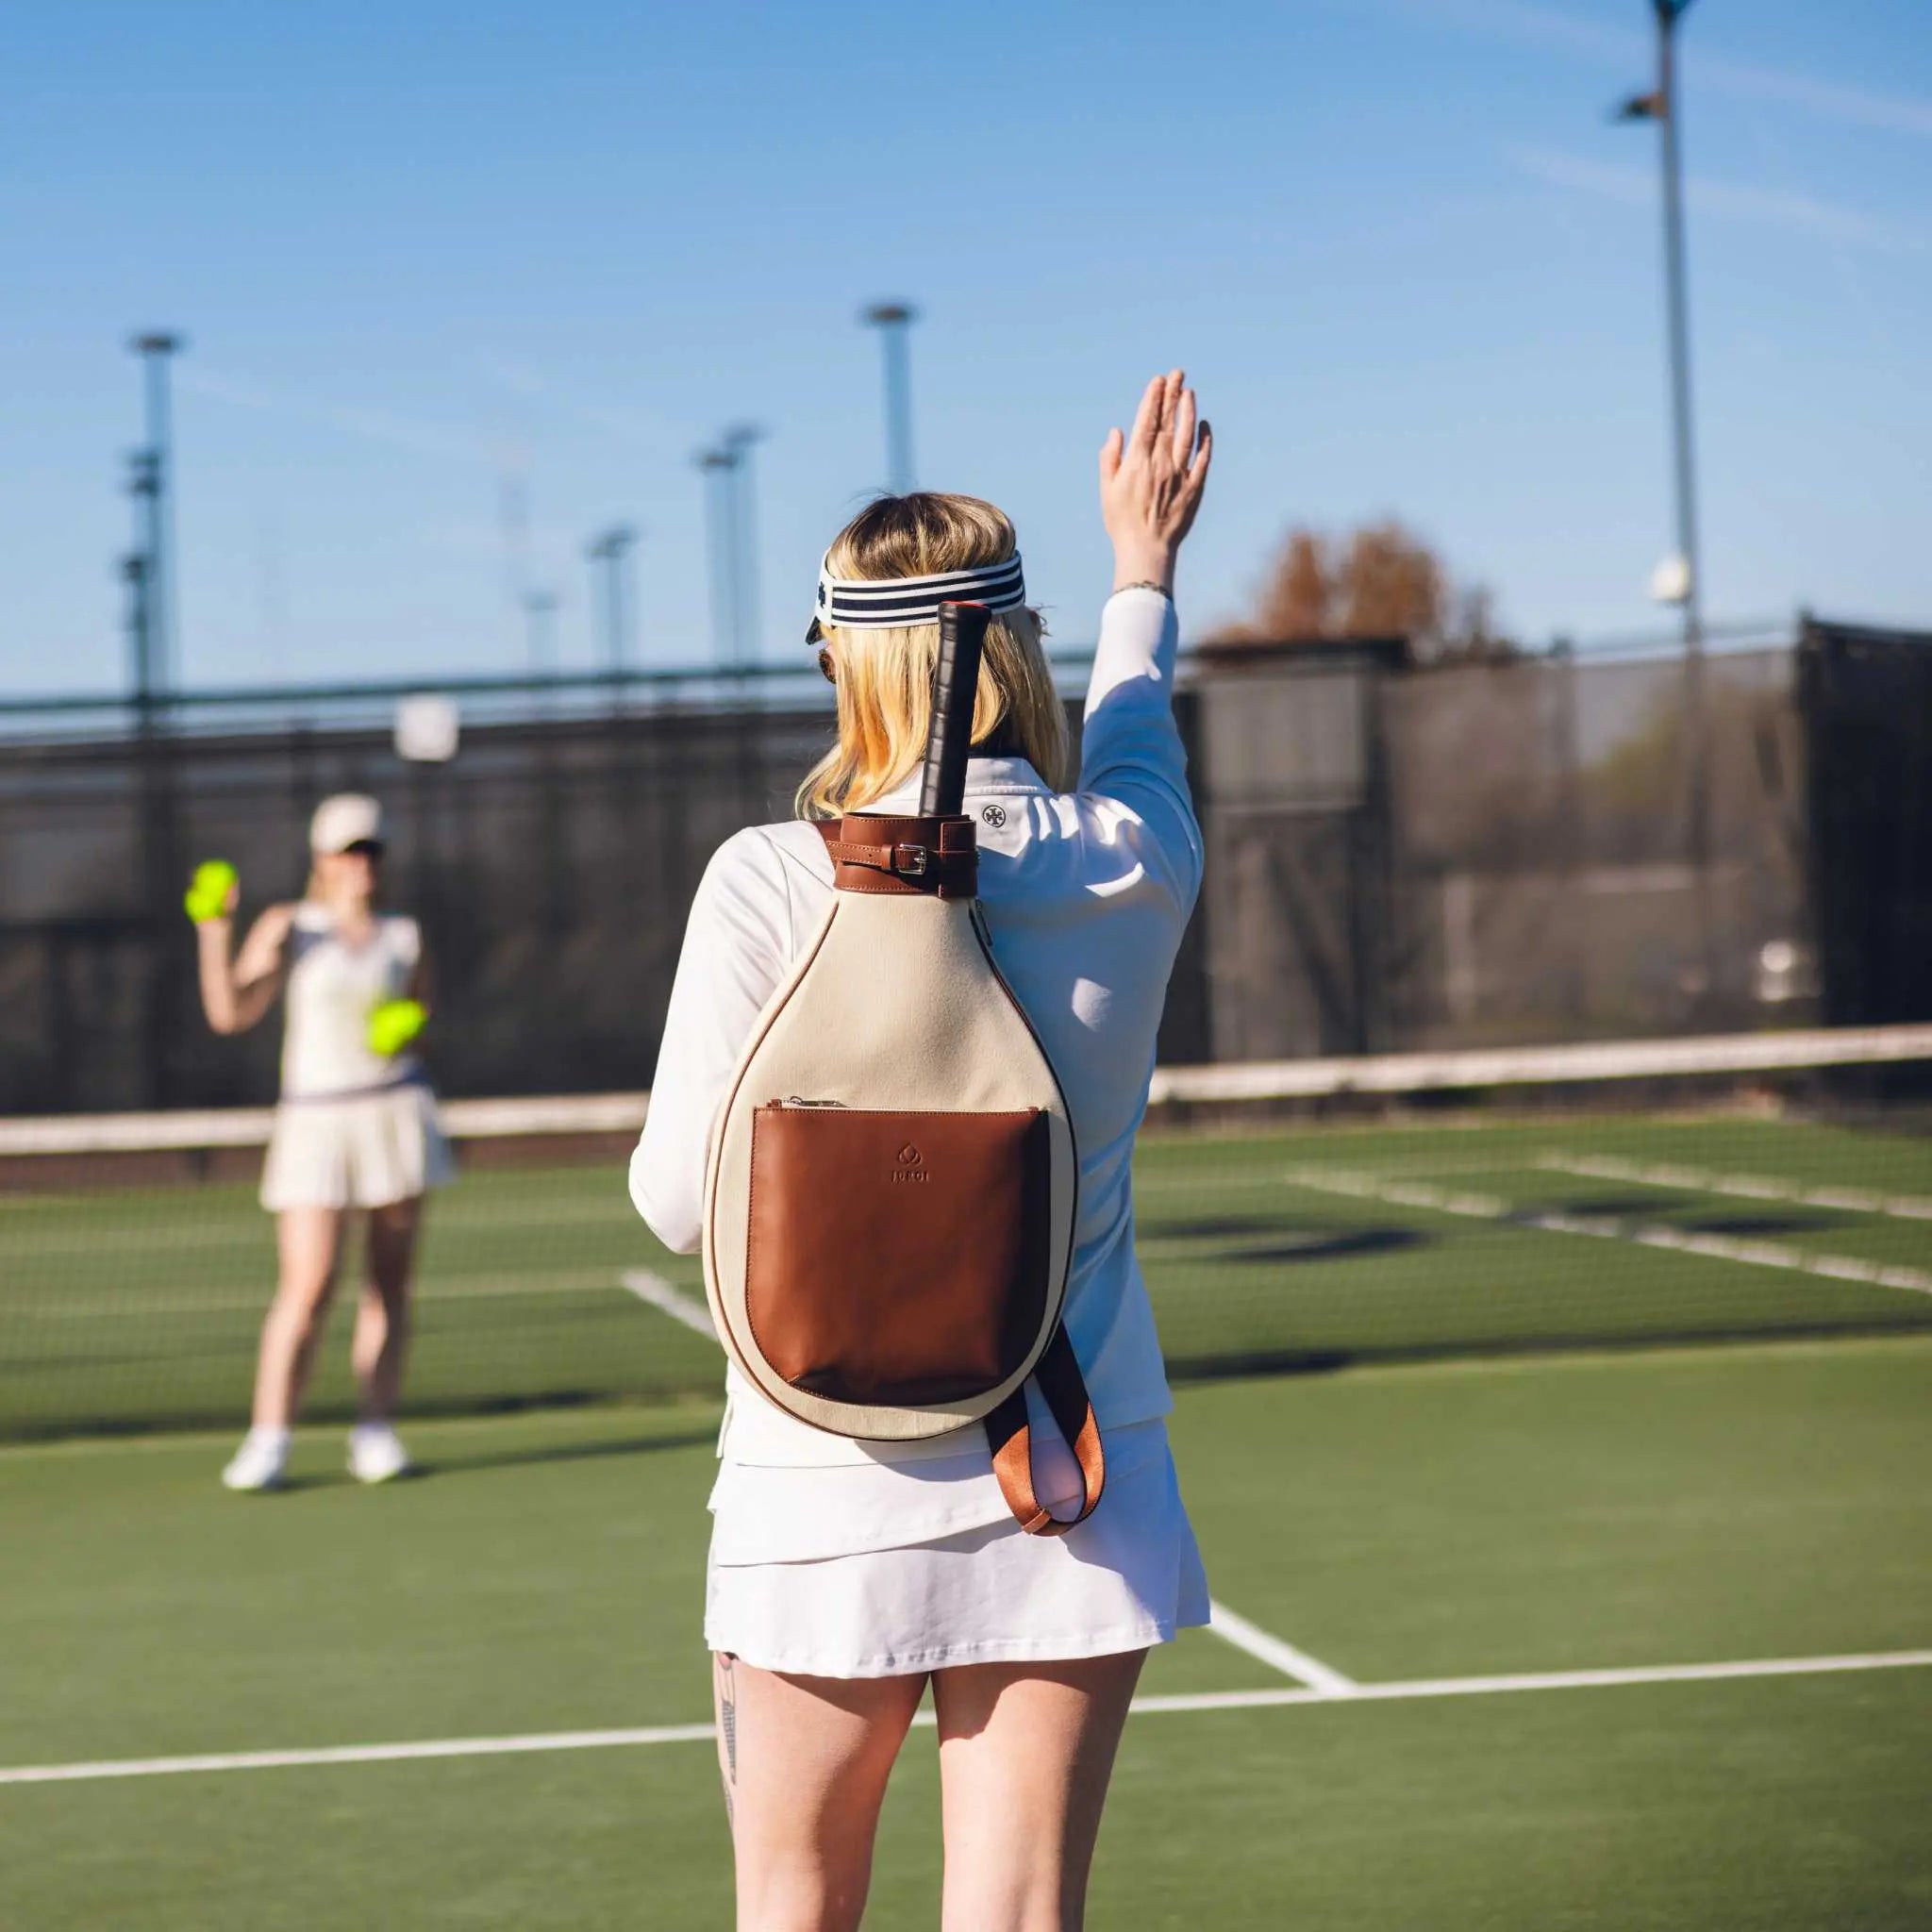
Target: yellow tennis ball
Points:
(214, 880)
(394, 1023)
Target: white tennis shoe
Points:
(376, 1453)
(259, 1463)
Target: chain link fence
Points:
(1398, 857)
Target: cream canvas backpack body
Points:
(890, 1194)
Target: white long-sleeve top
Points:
(1086, 894)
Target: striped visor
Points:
(882, 603)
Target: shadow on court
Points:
(563, 1452)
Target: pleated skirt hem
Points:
(1127, 1578)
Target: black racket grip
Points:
(955, 685)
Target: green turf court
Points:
(137, 1308)
(1402, 1525)
(1567, 1476)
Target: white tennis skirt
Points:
(368, 1149)
(1127, 1578)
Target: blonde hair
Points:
(884, 676)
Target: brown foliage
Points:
(1379, 581)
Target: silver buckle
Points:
(909, 860)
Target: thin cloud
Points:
(1542, 26)
(530, 384)
(350, 419)
(1636, 188)
(1895, 114)
(1525, 23)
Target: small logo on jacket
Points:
(994, 815)
(909, 1168)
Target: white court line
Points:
(1722, 1247)
(1745, 1187)
(1143, 1707)
(441, 1290)
(355, 1753)
(1409, 1689)
(1232, 1627)
(671, 1301)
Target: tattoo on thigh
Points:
(727, 1727)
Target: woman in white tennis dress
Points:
(356, 1128)
(845, 1576)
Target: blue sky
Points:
(423, 248)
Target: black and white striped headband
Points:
(885, 603)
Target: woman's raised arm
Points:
(235, 994)
(1131, 753)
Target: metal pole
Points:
(1567, 792)
(1696, 718)
(154, 349)
(738, 443)
(134, 574)
(614, 613)
(139, 568)
(539, 609)
(716, 466)
(610, 549)
(1674, 282)
(894, 320)
(156, 835)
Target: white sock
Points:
(270, 1436)
(372, 1432)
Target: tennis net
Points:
(1290, 1216)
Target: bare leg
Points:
(382, 1317)
(306, 1240)
(805, 1761)
(1026, 1753)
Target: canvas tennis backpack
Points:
(891, 1193)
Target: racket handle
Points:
(954, 686)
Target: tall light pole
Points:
(539, 613)
(738, 444)
(609, 548)
(138, 568)
(1684, 585)
(155, 491)
(716, 466)
(894, 320)
(150, 580)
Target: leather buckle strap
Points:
(902, 861)
(1010, 1436)
(873, 853)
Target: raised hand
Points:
(1151, 481)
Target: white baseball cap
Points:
(348, 818)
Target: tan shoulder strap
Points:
(1012, 1439)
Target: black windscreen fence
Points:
(1866, 699)
(1543, 849)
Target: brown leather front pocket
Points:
(896, 1258)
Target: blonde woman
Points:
(356, 1128)
(846, 1576)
